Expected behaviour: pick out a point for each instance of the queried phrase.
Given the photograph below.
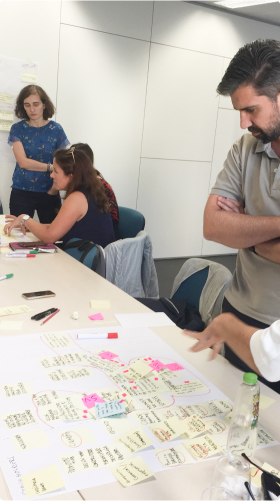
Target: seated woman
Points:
(85, 212)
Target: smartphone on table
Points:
(38, 295)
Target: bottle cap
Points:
(250, 378)
(112, 335)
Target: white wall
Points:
(137, 80)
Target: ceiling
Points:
(269, 13)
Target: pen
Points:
(20, 255)
(110, 335)
(10, 275)
(50, 317)
(25, 251)
(43, 314)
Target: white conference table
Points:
(75, 286)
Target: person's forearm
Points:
(237, 336)
(41, 231)
(239, 230)
(29, 164)
(270, 250)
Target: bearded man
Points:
(243, 210)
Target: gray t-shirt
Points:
(251, 175)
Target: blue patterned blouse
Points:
(39, 143)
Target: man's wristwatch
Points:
(25, 218)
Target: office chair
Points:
(131, 222)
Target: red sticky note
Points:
(107, 355)
(90, 400)
(96, 316)
(157, 365)
(174, 367)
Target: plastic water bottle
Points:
(243, 432)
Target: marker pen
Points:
(10, 275)
(110, 335)
(20, 255)
(25, 251)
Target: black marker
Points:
(44, 314)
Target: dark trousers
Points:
(26, 202)
(234, 359)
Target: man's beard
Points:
(266, 136)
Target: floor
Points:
(167, 270)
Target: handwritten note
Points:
(33, 439)
(135, 441)
(202, 447)
(15, 389)
(109, 409)
(45, 398)
(154, 401)
(168, 429)
(29, 77)
(193, 426)
(18, 419)
(100, 305)
(6, 98)
(172, 456)
(91, 400)
(157, 365)
(145, 387)
(192, 386)
(146, 418)
(132, 472)
(174, 367)
(98, 457)
(6, 115)
(76, 437)
(74, 358)
(5, 126)
(42, 481)
(14, 310)
(106, 365)
(66, 408)
(73, 373)
(49, 362)
(57, 340)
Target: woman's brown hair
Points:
(84, 178)
(27, 91)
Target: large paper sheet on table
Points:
(47, 424)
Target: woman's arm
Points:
(27, 163)
(73, 209)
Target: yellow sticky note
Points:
(265, 402)
(33, 439)
(118, 426)
(168, 429)
(5, 126)
(6, 115)
(42, 481)
(131, 472)
(100, 305)
(18, 419)
(15, 389)
(14, 310)
(58, 340)
(76, 437)
(202, 447)
(137, 370)
(172, 456)
(29, 77)
(193, 426)
(11, 325)
(6, 98)
(135, 441)
(5, 250)
(256, 473)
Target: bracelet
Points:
(49, 167)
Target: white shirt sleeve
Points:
(265, 349)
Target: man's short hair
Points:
(256, 64)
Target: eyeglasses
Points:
(71, 150)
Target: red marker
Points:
(110, 335)
(20, 255)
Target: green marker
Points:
(7, 276)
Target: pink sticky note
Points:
(135, 387)
(150, 358)
(107, 355)
(124, 394)
(146, 360)
(126, 370)
(121, 401)
(174, 367)
(157, 365)
(186, 381)
(122, 365)
(96, 316)
(84, 416)
(90, 400)
(156, 378)
(131, 381)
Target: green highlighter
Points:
(10, 275)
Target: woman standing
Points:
(34, 140)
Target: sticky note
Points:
(6, 98)
(157, 365)
(137, 370)
(18, 419)
(168, 429)
(5, 126)
(131, 472)
(11, 325)
(256, 473)
(154, 401)
(98, 457)
(42, 481)
(76, 437)
(57, 340)
(14, 310)
(135, 441)
(172, 456)
(109, 409)
(174, 367)
(30, 78)
(33, 439)
(96, 316)
(265, 401)
(115, 427)
(100, 305)
(6, 115)
(107, 355)
(193, 426)
(187, 387)
(91, 400)
(202, 447)
(15, 389)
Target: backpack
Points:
(182, 313)
(88, 253)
